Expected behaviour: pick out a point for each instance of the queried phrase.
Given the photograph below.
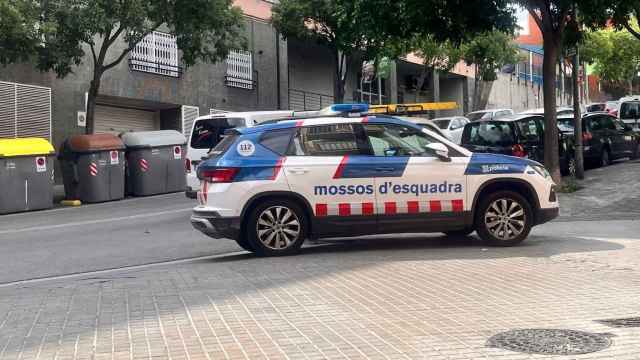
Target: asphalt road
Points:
(95, 237)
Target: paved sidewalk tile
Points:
(343, 301)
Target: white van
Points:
(207, 131)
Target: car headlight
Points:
(541, 170)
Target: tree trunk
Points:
(94, 88)
(551, 159)
(577, 118)
(484, 91)
(339, 83)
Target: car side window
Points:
(328, 140)
(607, 123)
(596, 123)
(277, 140)
(529, 130)
(397, 140)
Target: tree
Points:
(488, 53)
(18, 30)
(437, 56)
(370, 27)
(205, 30)
(552, 17)
(615, 56)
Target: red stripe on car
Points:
(276, 170)
(344, 209)
(413, 207)
(321, 210)
(340, 169)
(390, 208)
(435, 206)
(457, 205)
(367, 208)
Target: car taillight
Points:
(518, 150)
(586, 136)
(220, 175)
(187, 165)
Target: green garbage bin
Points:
(26, 175)
(155, 162)
(93, 168)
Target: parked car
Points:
(596, 107)
(517, 135)
(630, 111)
(452, 127)
(605, 138)
(612, 107)
(488, 114)
(207, 131)
(425, 123)
(560, 110)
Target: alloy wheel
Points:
(505, 219)
(278, 227)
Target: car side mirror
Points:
(441, 151)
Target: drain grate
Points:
(550, 341)
(622, 323)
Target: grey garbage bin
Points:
(93, 168)
(155, 162)
(26, 175)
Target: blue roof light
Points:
(350, 108)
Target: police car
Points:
(272, 186)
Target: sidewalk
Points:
(402, 298)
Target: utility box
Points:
(93, 168)
(155, 162)
(26, 175)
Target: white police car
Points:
(271, 186)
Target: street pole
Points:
(577, 118)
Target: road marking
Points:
(93, 222)
(118, 269)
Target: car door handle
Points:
(298, 171)
(385, 169)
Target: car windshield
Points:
(474, 116)
(442, 124)
(490, 133)
(629, 110)
(565, 122)
(207, 133)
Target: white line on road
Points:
(118, 269)
(93, 222)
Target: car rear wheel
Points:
(504, 218)
(275, 228)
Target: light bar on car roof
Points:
(350, 108)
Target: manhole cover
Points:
(622, 323)
(550, 341)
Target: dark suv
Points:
(605, 137)
(517, 135)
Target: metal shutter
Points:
(189, 114)
(25, 111)
(34, 111)
(115, 120)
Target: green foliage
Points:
(489, 52)
(205, 29)
(18, 30)
(614, 54)
(441, 55)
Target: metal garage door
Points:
(115, 120)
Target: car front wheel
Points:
(504, 218)
(275, 228)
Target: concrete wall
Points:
(201, 85)
(509, 92)
(452, 89)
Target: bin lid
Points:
(153, 138)
(25, 147)
(96, 142)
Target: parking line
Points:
(118, 269)
(93, 222)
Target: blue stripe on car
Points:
(484, 164)
(364, 166)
